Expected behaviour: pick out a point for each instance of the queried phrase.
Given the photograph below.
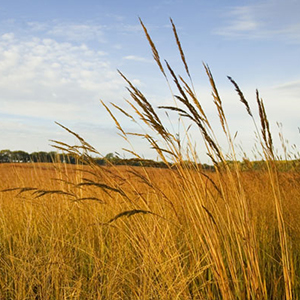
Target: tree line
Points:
(19, 156)
(8, 156)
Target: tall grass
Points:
(109, 232)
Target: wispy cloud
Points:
(38, 26)
(137, 58)
(242, 22)
(77, 32)
(268, 20)
(290, 85)
(289, 90)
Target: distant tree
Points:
(207, 167)
(52, 155)
(100, 161)
(5, 156)
(69, 159)
(20, 156)
(34, 157)
(110, 156)
(41, 156)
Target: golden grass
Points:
(56, 248)
(94, 232)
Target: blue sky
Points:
(59, 58)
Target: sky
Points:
(58, 59)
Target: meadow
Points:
(87, 231)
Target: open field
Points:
(110, 232)
(184, 236)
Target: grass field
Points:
(116, 232)
(195, 244)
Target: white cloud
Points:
(243, 20)
(290, 86)
(43, 80)
(77, 32)
(287, 94)
(272, 19)
(80, 32)
(127, 28)
(137, 58)
(37, 26)
(48, 79)
(8, 36)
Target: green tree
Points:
(20, 156)
(5, 156)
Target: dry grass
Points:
(94, 232)
(56, 248)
